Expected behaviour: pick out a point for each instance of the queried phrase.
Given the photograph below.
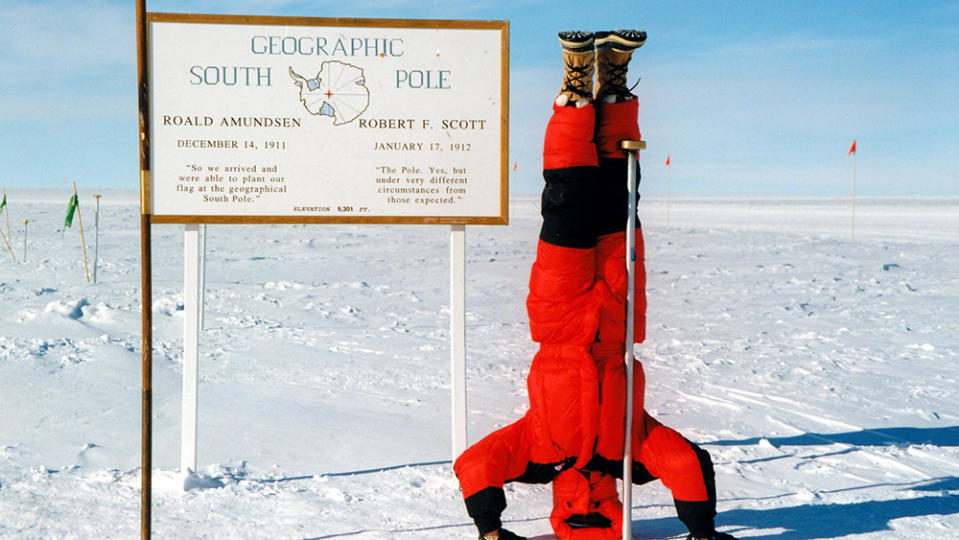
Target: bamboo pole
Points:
(25, 240)
(8, 237)
(83, 241)
(146, 269)
(7, 242)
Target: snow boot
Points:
(579, 60)
(613, 51)
(503, 535)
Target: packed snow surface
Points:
(820, 370)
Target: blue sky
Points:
(747, 97)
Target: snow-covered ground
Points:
(820, 371)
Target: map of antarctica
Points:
(338, 91)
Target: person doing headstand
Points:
(572, 434)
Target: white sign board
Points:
(293, 120)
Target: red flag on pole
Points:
(667, 161)
(852, 149)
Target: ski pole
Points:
(632, 149)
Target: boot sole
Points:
(620, 43)
(576, 46)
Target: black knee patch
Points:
(709, 474)
(612, 196)
(568, 207)
(485, 507)
(698, 515)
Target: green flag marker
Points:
(71, 209)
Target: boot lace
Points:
(617, 78)
(577, 78)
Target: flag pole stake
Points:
(25, 240)
(853, 195)
(852, 224)
(669, 196)
(7, 211)
(3, 208)
(96, 238)
(83, 241)
(7, 242)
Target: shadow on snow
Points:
(810, 521)
(904, 436)
(813, 521)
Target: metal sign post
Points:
(202, 322)
(458, 336)
(632, 149)
(191, 346)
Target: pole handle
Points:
(632, 146)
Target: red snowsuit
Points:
(572, 434)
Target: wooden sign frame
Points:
(439, 82)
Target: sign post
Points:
(287, 120)
(191, 346)
(202, 275)
(146, 280)
(458, 337)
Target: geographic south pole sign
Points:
(303, 120)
